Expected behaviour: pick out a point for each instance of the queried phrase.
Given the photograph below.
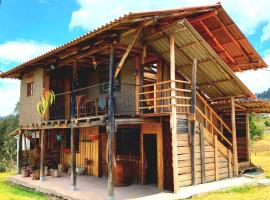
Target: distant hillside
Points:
(264, 95)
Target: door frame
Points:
(155, 129)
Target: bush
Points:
(255, 130)
(267, 123)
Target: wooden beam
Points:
(173, 116)
(247, 137)
(123, 59)
(234, 138)
(230, 163)
(216, 41)
(202, 152)
(111, 127)
(42, 155)
(73, 160)
(193, 121)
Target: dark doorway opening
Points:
(150, 151)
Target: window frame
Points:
(30, 88)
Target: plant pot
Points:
(80, 170)
(55, 173)
(59, 138)
(25, 172)
(61, 168)
(93, 137)
(46, 171)
(36, 175)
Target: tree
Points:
(8, 143)
(255, 130)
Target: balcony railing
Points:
(93, 101)
(157, 98)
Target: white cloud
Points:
(257, 81)
(14, 52)
(266, 33)
(9, 95)
(21, 50)
(248, 14)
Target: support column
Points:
(173, 116)
(111, 128)
(234, 138)
(72, 131)
(73, 160)
(193, 122)
(138, 65)
(247, 137)
(19, 152)
(42, 154)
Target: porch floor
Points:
(90, 188)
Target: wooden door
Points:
(103, 160)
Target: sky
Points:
(29, 28)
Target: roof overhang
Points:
(232, 46)
(250, 105)
(214, 77)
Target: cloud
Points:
(93, 13)
(257, 81)
(21, 50)
(14, 52)
(266, 33)
(9, 95)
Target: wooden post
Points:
(193, 122)
(111, 127)
(42, 155)
(216, 157)
(19, 152)
(73, 160)
(230, 162)
(138, 64)
(173, 116)
(234, 138)
(72, 129)
(247, 137)
(202, 149)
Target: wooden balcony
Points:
(156, 98)
(92, 101)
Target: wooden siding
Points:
(87, 150)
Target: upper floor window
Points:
(30, 88)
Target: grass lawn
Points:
(12, 192)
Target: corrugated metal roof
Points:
(214, 77)
(245, 105)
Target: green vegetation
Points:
(13, 192)
(7, 143)
(256, 130)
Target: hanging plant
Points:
(46, 100)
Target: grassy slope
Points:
(12, 192)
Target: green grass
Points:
(12, 192)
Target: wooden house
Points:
(162, 83)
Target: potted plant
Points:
(46, 100)
(59, 137)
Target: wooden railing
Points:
(156, 98)
(93, 101)
(211, 120)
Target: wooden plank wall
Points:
(184, 161)
(87, 150)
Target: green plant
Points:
(255, 130)
(267, 123)
(46, 100)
